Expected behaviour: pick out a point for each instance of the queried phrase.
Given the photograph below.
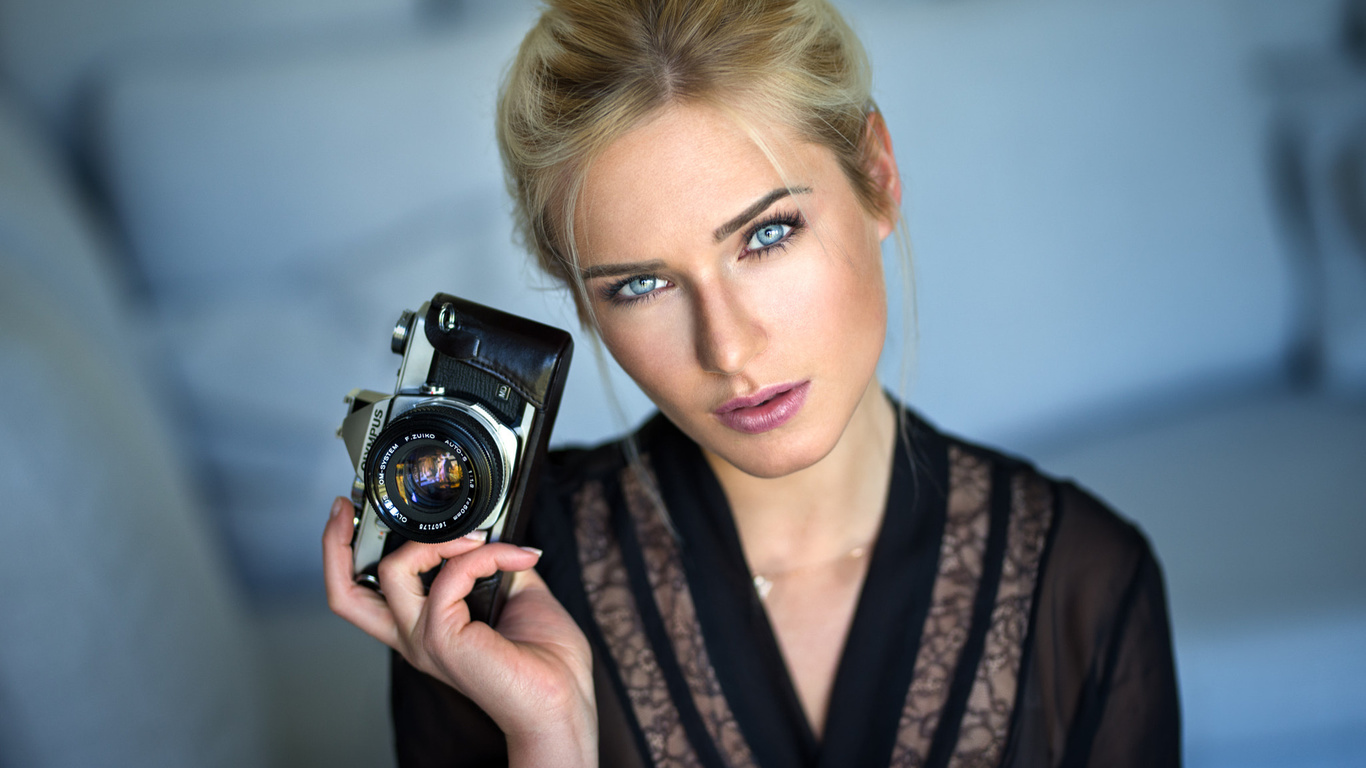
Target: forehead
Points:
(680, 174)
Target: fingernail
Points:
(533, 551)
(480, 536)
(337, 506)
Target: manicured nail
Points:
(337, 506)
(479, 536)
(533, 551)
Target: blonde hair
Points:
(590, 70)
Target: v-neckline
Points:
(876, 662)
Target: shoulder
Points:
(1093, 534)
(1078, 512)
(1085, 605)
(1087, 567)
(1085, 544)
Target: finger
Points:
(416, 557)
(400, 574)
(457, 577)
(349, 600)
(526, 580)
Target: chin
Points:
(775, 455)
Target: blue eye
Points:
(639, 286)
(633, 289)
(768, 235)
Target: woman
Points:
(784, 567)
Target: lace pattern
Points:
(946, 624)
(618, 616)
(991, 703)
(676, 606)
(616, 613)
(985, 721)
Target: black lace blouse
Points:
(1006, 619)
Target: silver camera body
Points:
(459, 445)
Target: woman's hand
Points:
(533, 675)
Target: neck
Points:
(825, 510)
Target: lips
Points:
(765, 410)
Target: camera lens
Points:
(434, 473)
(430, 478)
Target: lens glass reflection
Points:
(430, 478)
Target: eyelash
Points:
(612, 291)
(792, 220)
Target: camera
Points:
(459, 445)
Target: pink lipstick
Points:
(765, 410)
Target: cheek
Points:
(839, 304)
(648, 346)
(868, 289)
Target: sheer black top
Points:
(1006, 619)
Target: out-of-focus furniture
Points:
(124, 639)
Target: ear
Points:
(883, 171)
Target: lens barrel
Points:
(434, 473)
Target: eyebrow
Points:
(610, 270)
(721, 233)
(729, 228)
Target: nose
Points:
(728, 337)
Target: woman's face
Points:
(750, 308)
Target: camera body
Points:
(459, 445)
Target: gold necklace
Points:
(763, 582)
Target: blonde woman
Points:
(785, 567)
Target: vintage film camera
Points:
(459, 445)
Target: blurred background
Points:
(1140, 260)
